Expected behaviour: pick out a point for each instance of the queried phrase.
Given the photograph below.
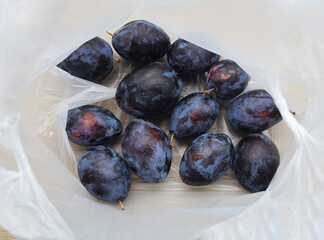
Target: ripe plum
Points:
(256, 160)
(92, 61)
(149, 91)
(147, 150)
(206, 159)
(253, 111)
(104, 173)
(91, 125)
(141, 41)
(187, 58)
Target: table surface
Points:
(5, 235)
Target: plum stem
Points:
(113, 35)
(208, 91)
(292, 112)
(121, 205)
(117, 60)
(171, 139)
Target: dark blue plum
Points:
(228, 79)
(253, 111)
(147, 151)
(256, 160)
(104, 173)
(206, 159)
(187, 58)
(141, 41)
(193, 115)
(92, 61)
(149, 91)
(91, 125)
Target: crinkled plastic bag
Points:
(279, 43)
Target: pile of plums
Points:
(154, 90)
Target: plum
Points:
(141, 41)
(149, 91)
(228, 79)
(93, 61)
(104, 173)
(91, 125)
(256, 159)
(188, 58)
(146, 150)
(193, 115)
(253, 112)
(206, 159)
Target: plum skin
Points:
(193, 115)
(206, 159)
(146, 150)
(104, 174)
(92, 61)
(91, 125)
(228, 79)
(141, 41)
(253, 112)
(256, 159)
(188, 58)
(149, 91)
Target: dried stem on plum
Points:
(171, 144)
(292, 112)
(117, 60)
(113, 35)
(121, 205)
(208, 91)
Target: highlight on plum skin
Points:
(104, 174)
(256, 159)
(206, 159)
(91, 125)
(253, 112)
(147, 151)
(228, 78)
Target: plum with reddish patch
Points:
(256, 159)
(193, 115)
(91, 125)
(253, 112)
(146, 150)
(206, 159)
(228, 79)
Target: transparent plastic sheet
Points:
(277, 43)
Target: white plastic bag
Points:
(280, 44)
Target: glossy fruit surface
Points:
(147, 150)
(91, 125)
(253, 111)
(149, 91)
(193, 115)
(104, 173)
(206, 159)
(187, 58)
(141, 41)
(228, 78)
(256, 160)
(92, 61)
